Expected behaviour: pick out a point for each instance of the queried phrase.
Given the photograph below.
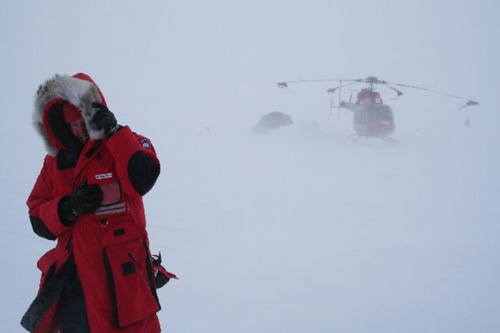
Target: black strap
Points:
(93, 149)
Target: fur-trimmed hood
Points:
(79, 90)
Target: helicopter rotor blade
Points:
(285, 84)
(398, 92)
(332, 90)
(372, 81)
(469, 102)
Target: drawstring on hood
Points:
(49, 116)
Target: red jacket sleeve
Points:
(43, 206)
(136, 162)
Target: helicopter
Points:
(371, 117)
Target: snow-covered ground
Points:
(295, 232)
(300, 230)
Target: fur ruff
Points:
(80, 93)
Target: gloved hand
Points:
(105, 119)
(85, 199)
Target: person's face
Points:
(79, 130)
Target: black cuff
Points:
(113, 130)
(67, 214)
(41, 229)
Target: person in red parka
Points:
(100, 277)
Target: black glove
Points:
(105, 119)
(86, 199)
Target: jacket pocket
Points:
(131, 283)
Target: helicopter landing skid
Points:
(354, 137)
(385, 138)
(388, 139)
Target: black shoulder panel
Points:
(143, 172)
(40, 229)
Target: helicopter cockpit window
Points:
(385, 113)
(375, 113)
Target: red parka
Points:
(110, 247)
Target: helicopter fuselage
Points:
(371, 117)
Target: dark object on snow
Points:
(162, 276)
(272, 121)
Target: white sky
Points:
(215, 57)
